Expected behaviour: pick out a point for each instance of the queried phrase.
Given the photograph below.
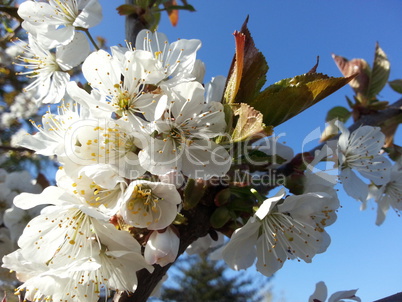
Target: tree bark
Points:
(134, 25)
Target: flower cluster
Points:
(147, 117)
(145, 139)
(361, 151)
(13, 218)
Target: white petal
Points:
(344, 137)
(189, 100)
(269, 262)
(214, 89)
(159, 158)
(384, 203)
(50, 195)
(88, 100)
(102, 71)
(347, 294)
(90, 15)
(353, 185)
(103, 175)
(151, 41)
(57, 88)
(162, 248)
(116, 239)
(33, 11)
(269, 203)
(55, 37)
(377, 170)
(320, 293)
(205, 159)
(240, 252)
(181, 56)
(74, 53)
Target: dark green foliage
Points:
(204, 280)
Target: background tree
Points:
(200, 279)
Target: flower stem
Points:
(257, 195)
(90, 38)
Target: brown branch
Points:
(134, 24)
(11, 11)
(388, 119)
(390, 116)
(16, 149)
(394, 298)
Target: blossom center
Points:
(70, 13)
(143, 201)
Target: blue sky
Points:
(291, 34)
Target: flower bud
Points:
(162, 248)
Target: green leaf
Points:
(128, 9)
(339, 112)
(193, 193)
(396, 85)
(220, 217)
(182, 7)
(222, 198)
(152, 19)
(350, 102)
(380, 73)
(255, 68)
(229, 116)
(378, 105)
(256, 156)
(249, 124)
(240, 205)
(287, 98)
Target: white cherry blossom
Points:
(151, 205)
(49, 140)
(50, 70)
(282, 229)
(108, 262)
(181, 139)
(177, 59)
(360, 151)
(127, 84)
(74, 247)
(389, 195)
(15, 219)
(23, 106)
(54, 21)
(98, 185)
(162, 247)
(102, 141)
(199, 71)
